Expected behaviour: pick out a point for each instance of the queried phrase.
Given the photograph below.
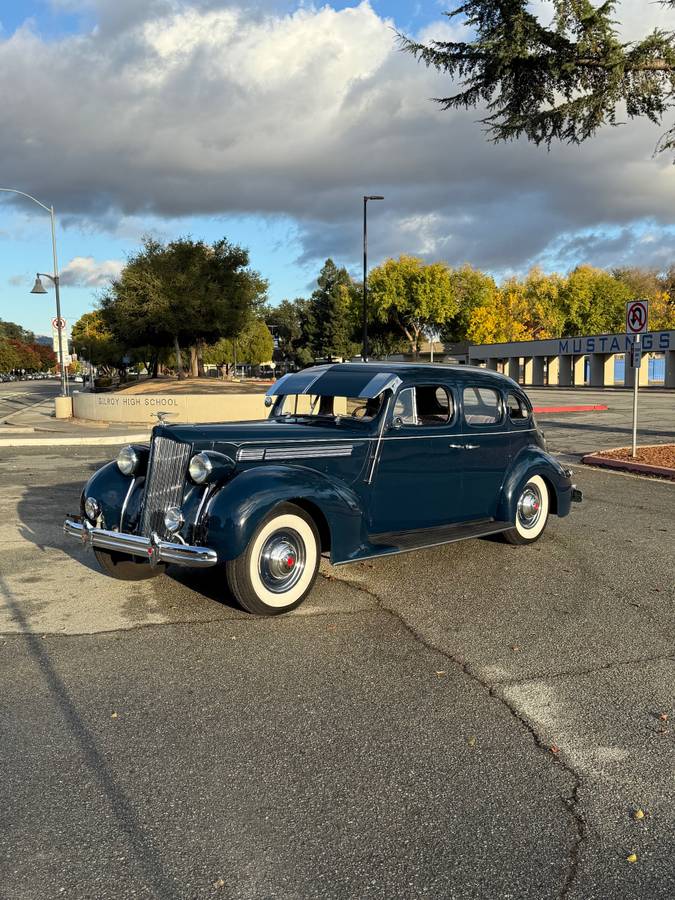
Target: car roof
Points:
(359, 379)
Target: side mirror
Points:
(269, 401)
(397, 422)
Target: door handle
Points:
(471, 446)
(456, 446)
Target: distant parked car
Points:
(355, 461)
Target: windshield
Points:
(308, 406)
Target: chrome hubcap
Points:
(529, 506)
(282, 561)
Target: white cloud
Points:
(85, 271)
(174, 109)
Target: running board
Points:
(390, 542)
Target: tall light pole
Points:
(38, 287)
(364, 349)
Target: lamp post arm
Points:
(50, 209)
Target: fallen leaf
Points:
(114, 715)
(441, 672)
(219, 883)
(638, 814)
(472, 741)
(663, 716)
(515, 648)
(632, 858)
(554, 748)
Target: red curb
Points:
(627, 466)
(555, 409)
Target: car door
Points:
(486, 450)
(417, 481)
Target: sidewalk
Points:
(37, 427)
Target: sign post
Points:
(637, 315)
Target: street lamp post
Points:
(38, 287)
(364, 349)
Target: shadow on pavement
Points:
(145, 852)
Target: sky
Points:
(265, 123)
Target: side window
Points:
(481, 406)
(434, 405)
(518, 411)
(428, 404)
(404, 408)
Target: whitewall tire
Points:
(279, 566)
(532, 509)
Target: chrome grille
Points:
(167, 466)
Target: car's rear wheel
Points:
(124, 567)
(532, 511)
(279, 566)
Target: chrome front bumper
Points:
(153, 549)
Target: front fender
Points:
(241, 504)
(535, 461)
(110, 487)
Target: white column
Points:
(527, 370)
(579, 370)
(553, 370)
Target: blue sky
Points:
(266, 123)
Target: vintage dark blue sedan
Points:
(355, 460)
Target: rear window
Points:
(518, 410)
(481, 406)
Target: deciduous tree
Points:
(412, 296)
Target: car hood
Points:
(266, 431)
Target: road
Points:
(474, 721)
(16, 396)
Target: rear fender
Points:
(236, 509)
(535, 461)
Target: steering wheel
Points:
(360, 411)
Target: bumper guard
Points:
(152, 549)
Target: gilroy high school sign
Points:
(561, 361)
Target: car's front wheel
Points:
(124, 567)
(531, 513)
(278, 568)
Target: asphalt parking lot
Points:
(472, 721)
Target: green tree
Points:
(560, 81)
(593, 302)
(253, 345)
(327, 323)
(412, 296)
(9, 358)
(471, 288)
(93, 341)
(185, 293)
(13, 332)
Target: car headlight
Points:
(92, 509)
(173, 519)
(127, 460)
(200, 468)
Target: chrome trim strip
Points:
(392, 437)
(126, 501)
(250, 454)
(153, 549)
(275, 453)
(378, 446)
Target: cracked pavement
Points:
(477, 720)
